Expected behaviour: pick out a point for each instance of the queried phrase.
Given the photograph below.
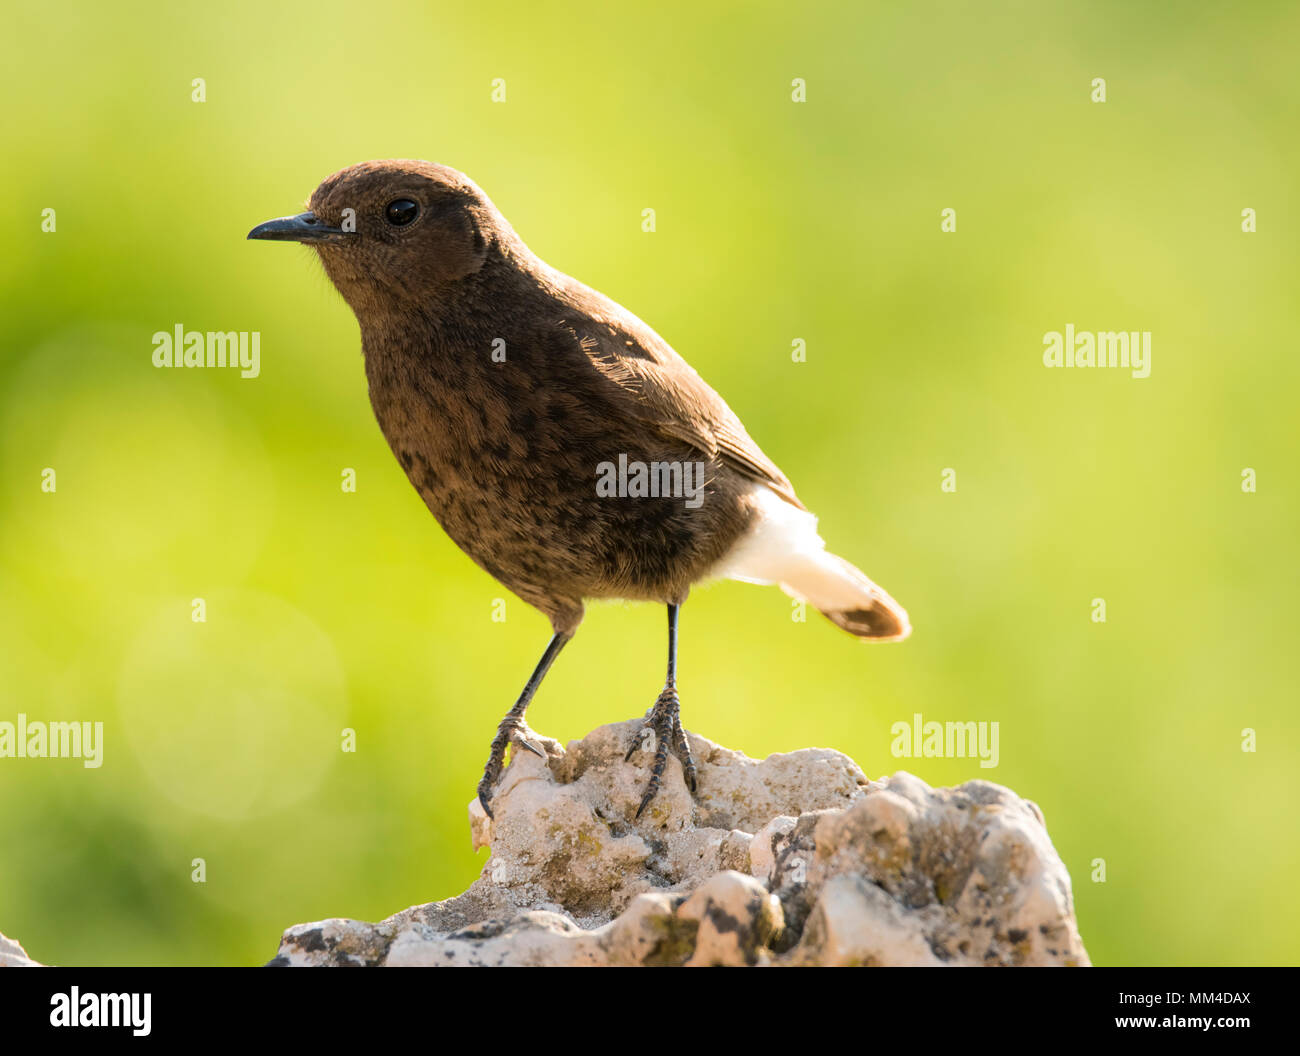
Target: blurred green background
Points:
(775, 221)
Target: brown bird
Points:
(559, 441)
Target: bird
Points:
(535, 418)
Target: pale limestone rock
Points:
(796, 859)
(13, 955)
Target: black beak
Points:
(301, 228)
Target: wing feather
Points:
(667, 394)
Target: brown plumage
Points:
(503, 385)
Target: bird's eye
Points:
(401, 212)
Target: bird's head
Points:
(395, 232)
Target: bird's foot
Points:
(512, 730)
(664, 721)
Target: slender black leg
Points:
(513, 729)
(680, 744)
(664, 718)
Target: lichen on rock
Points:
(796, 859)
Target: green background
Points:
(775, 221)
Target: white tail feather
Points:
(783, 547)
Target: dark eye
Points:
(401, 212)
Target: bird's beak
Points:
(301, 228)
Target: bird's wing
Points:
(665, 392)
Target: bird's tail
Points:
(845, 596)
(782, 546)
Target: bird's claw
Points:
(510, 731)
(664, 719)
(524, 742)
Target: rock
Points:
(14, 956)
(796, 859)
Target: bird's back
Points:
(508, 451)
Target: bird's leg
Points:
(683, 748)
(664, 718)
(513, 729)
